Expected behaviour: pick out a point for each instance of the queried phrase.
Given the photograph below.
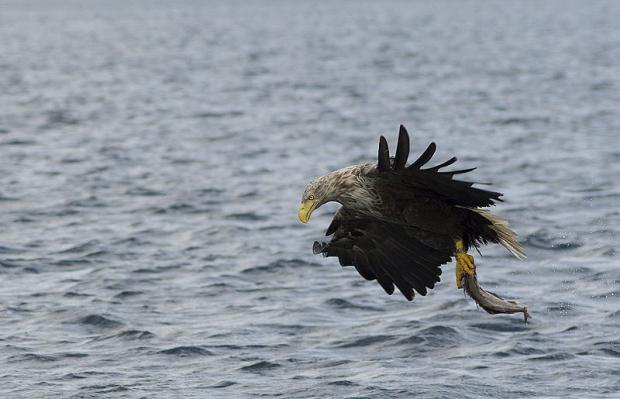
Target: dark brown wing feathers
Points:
(433, 183)
(385, 252)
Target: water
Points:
(153, 155)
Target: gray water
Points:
(152, 156)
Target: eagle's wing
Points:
(383, 251)
(431, 183)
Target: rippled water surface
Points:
(152, 155)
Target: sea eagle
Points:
(399, 223)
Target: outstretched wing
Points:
(431, 183)
(385, 252)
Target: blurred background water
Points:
(152, 155)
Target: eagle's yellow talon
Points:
(464, 265)
(459, 278)
(466, 262)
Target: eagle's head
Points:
(342, 186)
(318, 192)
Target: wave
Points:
(128, 294)
(135, 334)
(260, 367)
(543, 239)
(340, 303)
(435, 336)
(30, 357)
(366, 341)
(96, 320)
(553, 357)
(223, 384)
(186, 351)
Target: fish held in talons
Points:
(489, 301)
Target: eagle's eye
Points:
(311, 197)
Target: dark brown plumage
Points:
(398, 224)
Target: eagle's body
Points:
(399, 223)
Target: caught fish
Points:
(490, 301)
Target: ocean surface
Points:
(153, 154)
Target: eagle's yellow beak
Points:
(305, 210)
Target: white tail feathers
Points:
(506, 237)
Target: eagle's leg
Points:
(464, 264)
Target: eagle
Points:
(399, 223)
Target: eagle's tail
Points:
(506, 237)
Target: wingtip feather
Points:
(402, 149)
(383, 162)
